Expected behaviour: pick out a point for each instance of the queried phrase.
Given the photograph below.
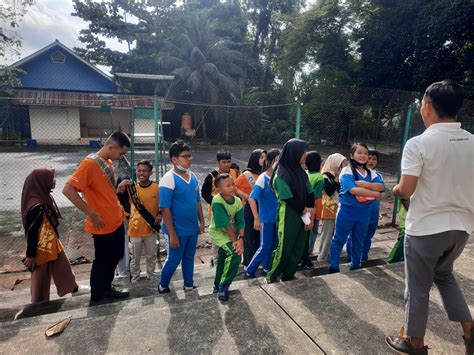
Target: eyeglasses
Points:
(187, 156)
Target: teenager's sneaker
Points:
(248, 276)
(403, 346)
(308, 264)
(113, 293)
(469, 343)
(215, 290)
(223, 293)
(186, 288)
(162, 290)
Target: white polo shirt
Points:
(443, 160)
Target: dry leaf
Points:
(58, 328)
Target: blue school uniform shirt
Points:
(267, 200)
(181, 197)
(375, 205)
(346, 178)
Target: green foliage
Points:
(263, 52)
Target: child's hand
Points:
(309, 227)
(174, 242)
(256, 224)
(121, 187)
(239, 246)
(158, 219)
(361, 183)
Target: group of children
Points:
(270, 214)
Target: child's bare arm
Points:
(374, 186)
(202, 224)
(168, 219)
(253, 207)
(361, 191)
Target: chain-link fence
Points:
(59, 129)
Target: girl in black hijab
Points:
(295, 214)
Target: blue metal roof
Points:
(67, 72)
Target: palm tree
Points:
(206, 70)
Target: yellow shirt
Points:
(137, 227)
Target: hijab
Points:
(253, 165)
(290, 169)
(332, 164)
(37, 189)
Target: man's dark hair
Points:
(219, 178)
(178, 147)
(446, 97)
(147, 163)
(223, 155)
(374, 153)
(119, 138)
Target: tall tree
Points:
(206, 70)
(11, 14)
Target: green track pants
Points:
(292, 241)
(228, 262)
(397, 253)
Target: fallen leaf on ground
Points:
(58, 328)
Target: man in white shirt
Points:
(437, 172)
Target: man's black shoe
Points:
(403, 346)
(333, 271)
(113, 293)
(97, 302)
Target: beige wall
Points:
(55, 124)
(96, 124)
(79, 125)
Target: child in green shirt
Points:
(226, 231)
(397, 253)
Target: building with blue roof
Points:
(63, 99)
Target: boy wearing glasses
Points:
(180, 205)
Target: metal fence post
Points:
(298, 119)
(406, 132)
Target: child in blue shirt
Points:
(180, 205)
(374, 212)
(264, 217)
(360, 186)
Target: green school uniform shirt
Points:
(316, 180)
(282, 189)
(224, 214)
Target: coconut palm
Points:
(206, 70)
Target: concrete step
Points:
(249, 323)
(19, 300)
(347, 312)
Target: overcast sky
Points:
(48, 20)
